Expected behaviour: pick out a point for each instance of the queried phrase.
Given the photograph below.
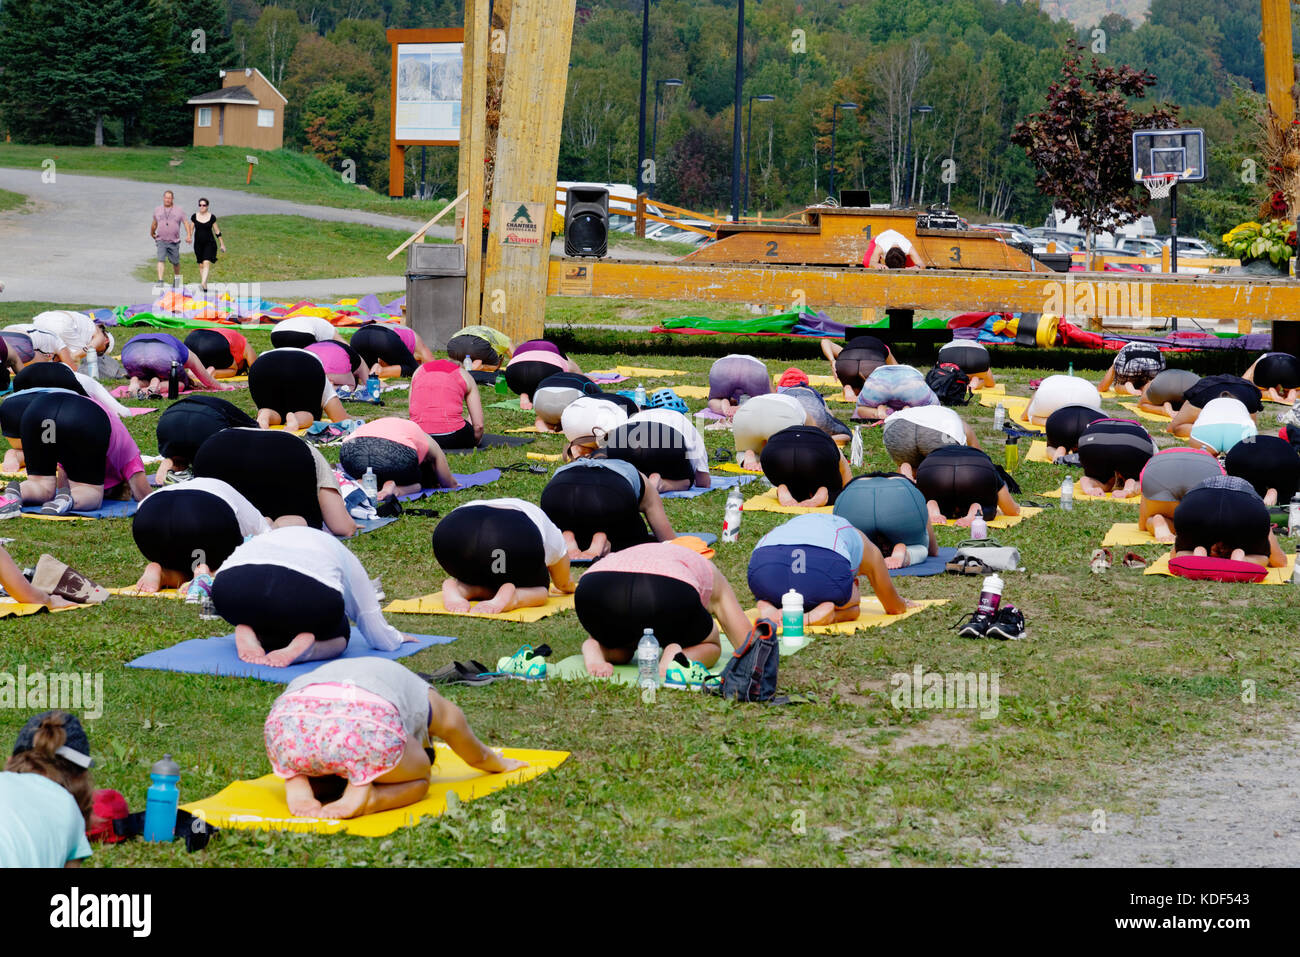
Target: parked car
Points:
(1137, 246)
(1195, 247)
(1065, 241)
(1016, 230)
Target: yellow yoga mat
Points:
(735, 469)
(998, 388)
(633, 371)
(1133, 499)
(280, 428)
(1276, 576)
(1038, 453)
(543, 457)
(432, 605)
(1126, 535)
(534, 430)
(839, 400)
(872, 616)
(20, 609)
(824, 381)
(692, 391)
(990, 399)
(1006, 521)
(260, 804)
(767, 503)
(130, 591)
(1144, 414)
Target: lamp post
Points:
(739, 95)
(749, 115)
(907, 160)
(654, 137)
(834, 110)
(645, 58)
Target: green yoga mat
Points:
(783, 322)
(511, 404)
(573, 668)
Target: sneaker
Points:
(61, 504)
(974, 625)
(10, 507)
(684, 673)
(177, 476)
(527, 664)
(199, 588)
(343, 391)
(1009, 625)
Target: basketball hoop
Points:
(1160, 184)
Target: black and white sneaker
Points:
(1009, 625)
(974, 625)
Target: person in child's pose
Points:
(352, 737)
(47, 794)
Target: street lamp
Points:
(749, 115)
(834, 109)
(739, 95)
(654, 138)
(645, 58)
(907, 160)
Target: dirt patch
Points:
(859, 692)
(629, 312)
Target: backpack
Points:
(949, 383)
(750, 675)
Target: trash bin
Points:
(435, 291)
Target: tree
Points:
(194, 47)
(1081, 143)
(271, 44)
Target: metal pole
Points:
(645, 59)
(1173, 241)
(423, 151)
(735, 126)
(749, 116)
(654, 143)
(833, 109)
(907, 162)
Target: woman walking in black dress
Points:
(206, 237)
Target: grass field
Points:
(10, 200)
(1120, 672)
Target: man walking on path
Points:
(165, 229)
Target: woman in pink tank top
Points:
(439, 389)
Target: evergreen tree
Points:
(195, 47)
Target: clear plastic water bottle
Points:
(370, 485)
(373, 388)
(1293, 515)
(647, 660)
(1067, 494)
(468, 364)
(856, 453)
(731, 518)
(979, 529)
(161, 801)
(1070, 369)
(92, 363)
(207, 609)
(999, 417)
(792, 619)
(639, 396)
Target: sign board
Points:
(427, 93)
(575, 280)
(524, 224)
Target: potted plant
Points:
(1266, 246)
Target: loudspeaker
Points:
(855, 197)
(1286, 336)
(586, 221)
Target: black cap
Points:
(76, 749)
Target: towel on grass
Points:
(574, 668)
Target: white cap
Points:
(590, 415)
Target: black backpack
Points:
(949, 383)
(750, 675)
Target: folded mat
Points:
(727, 481)
(1005, 521)
(431, 604)
(735, 469)
(631, 371)
(1133, 499)
(113, 508)
(998, 388)
(990, 399)
(543, 457)
(1127, 534)
(490, 440)
(767, 502)
(473, 479)
(260, 804)
(606, 378)
(1144, 414)
(574, 668)
(933, 565)
(825, 380)
(130, 591)
(217, 656)
(1276, 576)
(872, 616)
(20, 609)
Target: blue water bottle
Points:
(373, 387)
(161, 801)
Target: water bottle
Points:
(1067, 494)
(468, 364)
(792, 619)
(1070, 369)
(979, 529)
(1293, 515)
(161, 801)
(640, 396)
(647, 660)
(501, 387)
(92, 363)
(373, 388)
(999, 417)
(1013, 452)
(990, 595)
(731, 518)
(370, 485)
(855, 447)
(174, 381)
(207, 609)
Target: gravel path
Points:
(1224, 808)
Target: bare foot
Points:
(893, 561)
(965, 522)
(785, 498)
(282, 657)
(151, 580)
(263, 418)
(503, 600)
(525, 403)
(452, 599)
(247, 645)
(671, 651)
(823, 614)
(768, 610)
(1166, 538)
(594, 658)
(1238, 555)
(305, 807)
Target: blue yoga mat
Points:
(719, 481)
(370, 525)
(485, 477)
(114, 508)
(217, 656)
(931, 566)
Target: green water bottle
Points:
(1013, 452)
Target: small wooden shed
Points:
(247, 111)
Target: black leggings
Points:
(391, 461)
(279, 604)
(970, 359)
(523, 378)
(1265, 461)
(69, 430)
(1277, 370)
(616, 608)
(11, 413)
(375, 343)
(1065, 425)
(1217, 386)
(803, 459)
(273, 470)
(461, 346)
(586, 500)
(1225, 517)
(1170, 386)
(956, 477)
(488, 547)
(212, 348)
(1109, 447)
(291, 339)
(286, 382)
(184, 528)
(47, 375)
(653, 448)
(462, 438)
(189, 422)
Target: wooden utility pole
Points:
(473, 146)
(1279, 61)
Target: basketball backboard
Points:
(1169, 151)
